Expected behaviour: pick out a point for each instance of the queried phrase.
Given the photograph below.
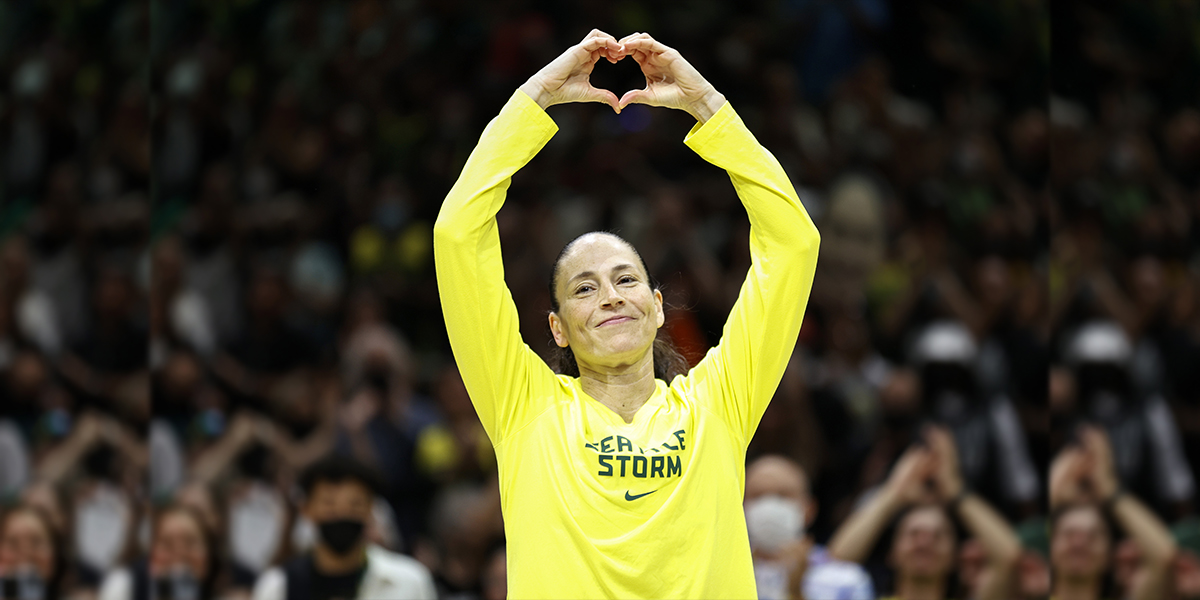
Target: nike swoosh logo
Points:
(628, 497)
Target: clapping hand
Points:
(1083, 473)
(947, 476)
(909, 479)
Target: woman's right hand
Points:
(567, 78)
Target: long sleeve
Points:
(738, 377)
(504, 377)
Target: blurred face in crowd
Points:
(179, 541)
(1080, 544)
(26, 541)
(607, 313)
(341, 512)
(924, 544)
(777, 476)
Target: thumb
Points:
(603, 96)
(634, 97)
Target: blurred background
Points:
(198, 323)
(1125, 264)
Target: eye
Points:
(583, 289)
(626, 279)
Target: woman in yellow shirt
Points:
(621, 479)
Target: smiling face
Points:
(607, 312)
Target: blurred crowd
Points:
(1124, 276)
(188, 332)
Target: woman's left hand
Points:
(671, 81)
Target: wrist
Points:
(706, 107)
(537, 93)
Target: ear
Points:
(810, 513)
(557, 330)
(660, 316)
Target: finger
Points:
(632, 36)
(634, 97)
(596, 33)
(604, 97)
(593, 44)
(646, 44)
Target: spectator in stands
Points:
(1148, 457)
(1085, 494)
(787, 561)
(338, 496)
(32, 560)
(923, 495)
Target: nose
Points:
(612, 298)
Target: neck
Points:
(329, 563)
(921, 588)
(623, 388)
(1076, 588)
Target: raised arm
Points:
(503, 375)
(853, 541)
(1139, 523)
(739, 376)
(999, 541)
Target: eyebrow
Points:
(587, 274)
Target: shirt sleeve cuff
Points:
(702, 133)
(522, 108)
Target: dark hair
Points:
(337, 468)
(668, 361)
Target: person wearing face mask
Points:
(32, 566)
(923, 493)
(342, 565)
(787, 562)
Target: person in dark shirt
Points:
(339, 493)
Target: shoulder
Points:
(117, 585)
(397, 571)
(271, 585)
(829, 578)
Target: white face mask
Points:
(773, 521)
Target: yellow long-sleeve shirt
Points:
(595, 507)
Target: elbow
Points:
(446, 232)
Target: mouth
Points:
(614, 320)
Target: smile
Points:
(614, 320)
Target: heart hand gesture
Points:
(671, 81)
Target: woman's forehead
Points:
(598, 253)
